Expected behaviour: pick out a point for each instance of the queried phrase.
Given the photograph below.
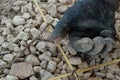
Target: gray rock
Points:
(8, 57)
(1, 40)
(21, 70)
(100, 74)
(46, 57)
(62, 8)
(42, 46)
(45, 75)
(52, 9)
(19, 3)
(3, 64)
(75, 60)
(23, 36)
(37, 69)
(3, 78)
(49, 18)
(18, 20)
(34, 32)
(26, 15)
(11, 46)
(32, 49)
(87, 75)
(16, 8)
(51, 66)
(32, 60)
(43, 64)
(110, 76)
(10, 77)
(6, 71)
(6, 31)
(33, 78)
(10, 38)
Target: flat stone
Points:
(23, 36)
(18, 20)
(33, 60)
(75, 60)
(51, 66)
(45, 75)
(8, 57)
(22, 70)
(9, 77)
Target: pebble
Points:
(11, 46)
(43, 26)
(10, 77)
(60, 65)
(8, 57)
(19, 28)
(26, 15)
(51, 1)
(51, 66)
(55, 22)
(37, 69)
(45, 75)
(23, 36)
(46, 57)
(33, 60)
(75, 60)
(43, 64)
(34, 32)
(49, 18)
(10, 38)
(100, 74)
(87, 75)
(3, 64)
(21, 70)
(32, 49)
(1, 40)
(63, 1)
(52, 9)
(6, 71)
(3, 78)
(42, 46)
(110, 76)
(18, 20)
(62, 8)
(33, 78)
(19, 3)
(16, 8)
(51, 47)
(6, 31)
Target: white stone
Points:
(23, 36)
(32, 49)
(42, 46)
(6, 31)
(18, 20)
(46, 57)
(43, 26)
(19, 28)
(21, 70)
(10, 38)
(62, 8)
(17, 49)
(33, 78)
(38, 19)
(23, 9)
(51, 66)
(3, 64)
(5, 45)
(49, 18)
(11, 46)
(75, 60)
(37, 69)
(29, 6)
(52, 9)
(45, 75)
(26, 15)
(19, 3)
(32, 60)
(1, 40)
(8, 57)
(34, 32)
(55, 22)
(10, 77)
(43, 64)
(6, 71)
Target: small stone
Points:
(37, 69)
(6, 71)
(32, 60)
(55, 21)
(46, 57)
(43, 26)
(51, 66)
(96, 78)
(1, 40)
(9, 77)
(26, 15)
(11, 46)
(49, 18)
(3, 78)
(10, 38)
(51, 47)
(62, 8)
(18, 20)
(42, 46)
(8, 57)
(29, 7)
(32, 49)
(34, 32)
(100, 74)
(19, 28)
(22, 70)
(63, 71)
(52, 9)
(19, 3)
(16, 8)
(45, 75)
(63, 1)
(2, 64)
(43, 64)
(51, 1)
(75, 60)
(17, 49)
(60, 65)
(33, 78)
(87, 75)
(23, 36)
(6, 31)
(110, 76)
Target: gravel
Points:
(20, 23)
